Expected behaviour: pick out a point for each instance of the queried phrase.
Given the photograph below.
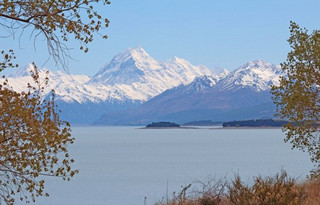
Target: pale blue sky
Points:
(214, 33)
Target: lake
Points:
(123, 165)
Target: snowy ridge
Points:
(200, 84)
(67, 87)
(132, 75)
(257, 75)
(223, 74)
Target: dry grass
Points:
(312, 190)
(277, 190)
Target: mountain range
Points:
(136, 89)
(242, 94)
(130, 79)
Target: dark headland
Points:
(255, 123)
(163, 125)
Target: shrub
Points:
(277, 190)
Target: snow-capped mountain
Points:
(129, 66)
(136, 75)
(173, 90)
(257, 75)
(68, 88)
(131, 78)
(243, 94)
(199, 85)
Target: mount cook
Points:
(134, 88)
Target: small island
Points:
(163, 125)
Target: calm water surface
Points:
(122, 165)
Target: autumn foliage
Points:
(33, 139)
(58, 21)
(33, 142)
(297, 97)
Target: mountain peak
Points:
(177, 60)
(224, 73)
(198, 85)
(257, 75)
(259, 63)
(259, 60)
(23, 71)
(137, 49)
(205, 81)
(136, 53)
(126, 67)
(185, 70)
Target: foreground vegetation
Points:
(277, 190)
(33, 139)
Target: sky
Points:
(215, 33)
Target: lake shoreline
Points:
(234, 128)
(175, 128)
(209, 128)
